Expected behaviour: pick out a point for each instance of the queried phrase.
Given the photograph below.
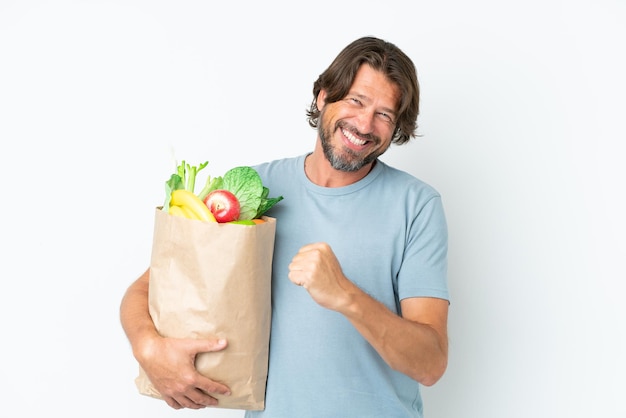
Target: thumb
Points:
(209, 344)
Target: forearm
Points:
(417, 349)
(135, 316)
(414, 344)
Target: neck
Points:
(320, 172)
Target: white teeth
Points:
(352, 138)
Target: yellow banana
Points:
(187, 212)
(179, 211)
(188, 200)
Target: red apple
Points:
(223, 204)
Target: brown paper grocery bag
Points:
(210, 279)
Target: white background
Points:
(522, 127)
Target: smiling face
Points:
(358, 129)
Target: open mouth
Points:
(353, 139)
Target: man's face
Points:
(358, 129)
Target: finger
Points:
(296, 282)
(195, 399)
(207, 386)
(295, 277)
(192, 405)
(189, 404)
(201, 398)
(172, 403)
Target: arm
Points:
(415, 343)
(168, 362)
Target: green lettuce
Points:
(245, 183)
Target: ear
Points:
(321, 99)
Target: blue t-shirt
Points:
(389, 234)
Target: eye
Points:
(386, 117)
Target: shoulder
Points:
(400, 180)
(281, 175)
(272, 167)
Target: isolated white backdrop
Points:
(522, 130)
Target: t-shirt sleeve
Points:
(425, 263)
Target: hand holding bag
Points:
(214, 280)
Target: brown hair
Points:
(383, 56)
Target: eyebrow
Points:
(384, 109)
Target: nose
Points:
(365, 121)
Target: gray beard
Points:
(348, 161)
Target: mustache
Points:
(345, 126)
